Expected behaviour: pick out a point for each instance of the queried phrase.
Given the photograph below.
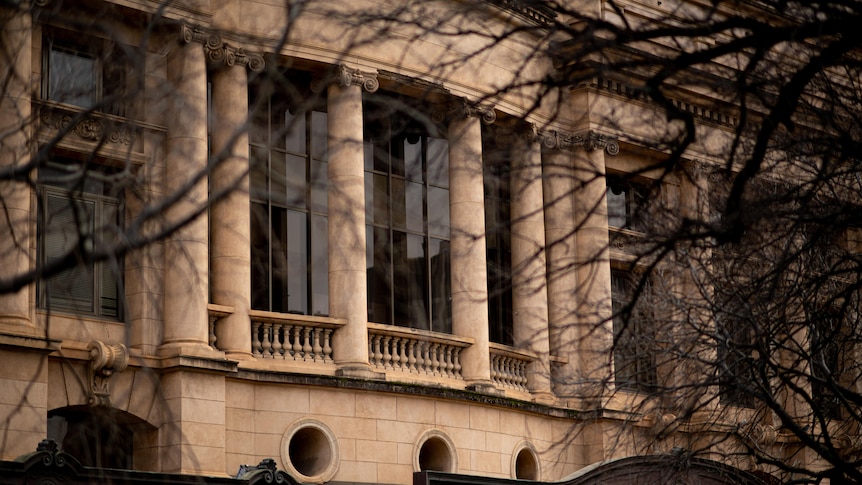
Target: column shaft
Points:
(562, 275)
(593, 296)
(469, 265)
(15, 124)
(230, 228)
(529, 283)
(186, 323)
(346, 199)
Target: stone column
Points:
(529, 283)
(186, 279)
(469, 265)
(15, 124)
(593, 295)
(348, 292)
(562, 277)
(230, 227)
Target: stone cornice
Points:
(218, 51)
(589, 140)
(345, 77)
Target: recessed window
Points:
(625, 202)
(435, 452)
(79, 217)
(88, 73)
(290, 261)
(407, 218)
(634, 335)
(498, 244)
(526, 464)
(310, 450)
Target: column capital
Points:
(588, 140)
(217, 51)
(345, 76)
(462, 108)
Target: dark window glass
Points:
(85, 72)
(498, 241)
(634, 339)
(736, 344)
(407, 217)
(626, 204)
(79, 215)
(288, 186)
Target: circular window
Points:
(435, 451)
(525, 463)
(310, 451)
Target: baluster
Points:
(316, 348)
(374, 353)
(327, 346)
(212, 335)
(495, 373)
(523, 374)
(306, 344)
(297, 342)
(256, 345)
(400, 356)
(267, 342)
(412, 347)
(434, 358)
(450, 362)
(422, 358)
(456, 361)
(277, 347)
(387, 355)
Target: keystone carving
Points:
(345, 76)
(105, 361)
(218, 51)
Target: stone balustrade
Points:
(413, 351)
(509, 367)
(216, 312)
(284, 336)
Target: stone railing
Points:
(509, 367)
(284, 336)
(215, 313)
(408, 350)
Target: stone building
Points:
(339, 245)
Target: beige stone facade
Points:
(320, 327)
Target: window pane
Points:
(318, 186)
(407, 205)
(297, 263)
(293, 181)
(438, 212)
(66, 221)
(72, 78)
(260, 257)
(278, 267)
(318, 135)
(413, 158)
(258, 158)
(378, 273)
(319, 266)
(441, 290)
(376, 199)
(410, 280)
(617, 207)
(438, 162)
(295, 136)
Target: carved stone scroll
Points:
(591, 140)
(345, 76)
(105, 361)
(218, 51)
(90, 129)
(464, 109)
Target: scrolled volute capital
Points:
(105, 361)
(344, 77)
(590, 140)
(462, 109)
(219, 52)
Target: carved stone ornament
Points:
(217, 51)
(554, 140)
(345, 77)
(105, 361)
(463, 109)
(90, 129)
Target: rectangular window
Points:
(289, 256)
(79, 214)
(736, 349)
(88, 73)
(634, 338)
(626, 204)
(498, 242)
(407, 224)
